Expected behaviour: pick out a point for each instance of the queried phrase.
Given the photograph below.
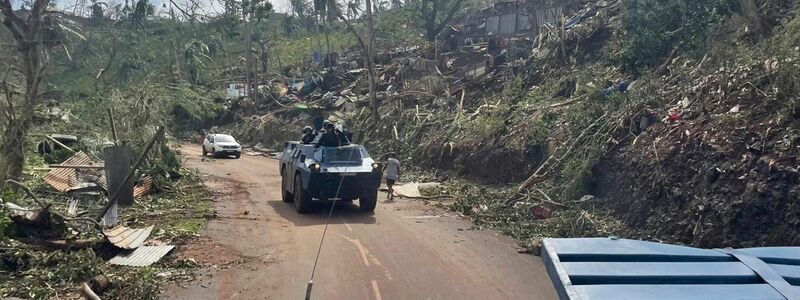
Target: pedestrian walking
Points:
(392, 174)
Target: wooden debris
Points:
(98, 284)
(59, 143)
(76, 166)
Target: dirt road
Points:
(259, 248)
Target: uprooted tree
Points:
(28, 35)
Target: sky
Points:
(209, 6)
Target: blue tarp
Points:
(609, 268)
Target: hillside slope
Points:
(694, 142)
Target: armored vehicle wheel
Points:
(302, 201)
(204, 150)
(237, 155)
(285, 195)
(213, 153)
(367, 202)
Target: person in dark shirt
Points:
(318, 133)
(308, 135)
(343, 135)
(329, 138)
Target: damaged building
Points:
(479, 41)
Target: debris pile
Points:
(73, 221)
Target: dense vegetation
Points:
(699, 147)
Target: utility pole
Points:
(373, 99)
(248, 43)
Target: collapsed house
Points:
(502, 22)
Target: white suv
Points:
(221, 145)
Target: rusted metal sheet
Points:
(64, 179)
(144, 188)
(127, 238)
(142, 256)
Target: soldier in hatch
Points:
(343, 134)
(308, 135)
(329, 138)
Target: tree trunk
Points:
(176, 63)
(249, 61)
(13, 151)
(753, 15)
(28, 36)
(373, 98)
(562, 36)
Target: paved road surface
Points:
(259, 248)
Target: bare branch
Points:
(453, 10)
(11, 20)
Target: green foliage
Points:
(135, 283)
(196, 54)
(433, 15)
(58, 269)
(787, 58)
(653, 27)
(97, 9)
(397, 28)
(141, 10)
(513, 90)
(6, 226)
(256, 10)
(295, 51)
(289, 25)
(576, 175)
(485, 205)
(485, 127)
(519, 50)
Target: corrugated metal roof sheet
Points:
(63, 179)
(127, 238)
(144, 188)
(408, 190)
(142, 256)
(619, 269)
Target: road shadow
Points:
(343, 212)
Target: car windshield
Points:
(347, 155)
(224, 138)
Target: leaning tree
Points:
(27, 30)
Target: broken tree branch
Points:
(113, 125)
(28, 191)
(541, 172)
(59, 143)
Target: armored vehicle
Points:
(328, 173)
